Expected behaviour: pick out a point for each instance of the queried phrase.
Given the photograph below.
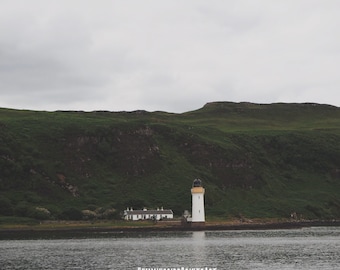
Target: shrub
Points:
(109, 214)
(21, 209)
(39, 213)
(88, 214)
(71, 214)
(6, 208)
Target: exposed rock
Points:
(67, 186)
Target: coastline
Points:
(76, 230)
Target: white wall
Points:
(197, 212)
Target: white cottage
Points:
(130, 214)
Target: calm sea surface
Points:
(308, 248)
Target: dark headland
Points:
(256, 161)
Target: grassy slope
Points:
(255, 160)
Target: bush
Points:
(6, 208)
(39, 213)
(21, 209)
(71, 214)
(110, 214)
(89, 214)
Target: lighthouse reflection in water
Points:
(199, 247)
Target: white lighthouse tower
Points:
(197, 213)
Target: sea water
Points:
(307, 248)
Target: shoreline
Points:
(71, 230)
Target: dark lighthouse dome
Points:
(197, 183)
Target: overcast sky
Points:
(168, 55)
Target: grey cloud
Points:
(166, 55)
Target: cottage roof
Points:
(149, 212)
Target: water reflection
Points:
(310, 248)
(198, 237)
(199, 256)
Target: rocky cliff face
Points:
(132, 152)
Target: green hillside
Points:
(255, 161)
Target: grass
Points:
(72, 225)
(255, 160)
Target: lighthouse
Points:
(197, 193)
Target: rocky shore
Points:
(73, 231)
